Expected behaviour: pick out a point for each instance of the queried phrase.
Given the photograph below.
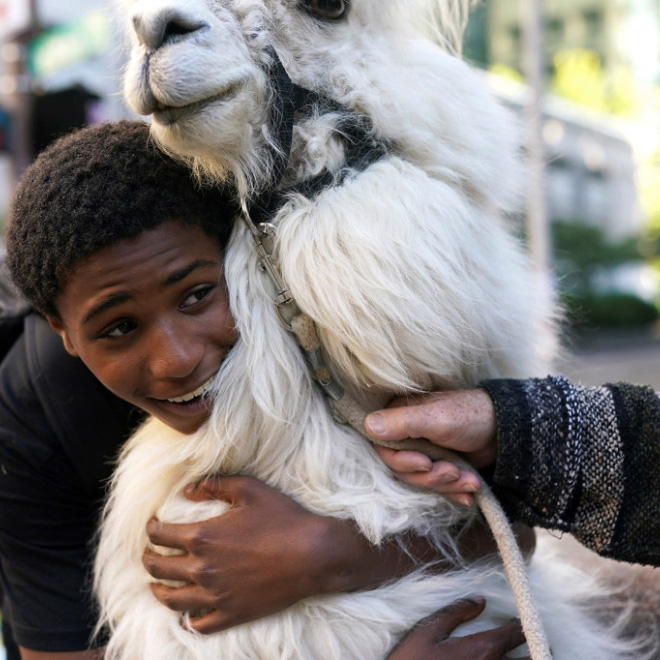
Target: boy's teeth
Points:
(192, 395)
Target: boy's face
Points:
(150, 318)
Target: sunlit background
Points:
(584, 77)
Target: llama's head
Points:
(200, 66)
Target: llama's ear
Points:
(59, 327)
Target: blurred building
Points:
(591, 157)
(60, 66)
(590, 164)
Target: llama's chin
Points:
(191, 133)
(188, 117)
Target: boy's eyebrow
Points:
(108, 303)
(184, 272)
(173, 278)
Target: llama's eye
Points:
(332, 9)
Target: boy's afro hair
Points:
(91, 189)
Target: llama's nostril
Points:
(164, 27)
(176, 28)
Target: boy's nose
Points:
(173, 354)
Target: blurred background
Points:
(584, 77)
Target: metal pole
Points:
(538, 233)
(19, 96)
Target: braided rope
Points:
(346, 408)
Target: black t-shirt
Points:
(60, 431)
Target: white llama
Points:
(408, 270)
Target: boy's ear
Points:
(59, 328)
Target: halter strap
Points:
(291, 102)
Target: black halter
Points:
(291, 102)
(361, 149)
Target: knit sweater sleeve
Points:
(581, 460)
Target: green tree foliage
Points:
(613, 311)
(580, 252)
(579, 76)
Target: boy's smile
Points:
(149, 316)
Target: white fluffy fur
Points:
(413, 279)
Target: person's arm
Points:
(45, 534)
(44, 555)
(582, 460)
(266, 544)
(585, 460)
(430, 640)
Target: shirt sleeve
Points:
(59, 433)
(46, 525)
(581, 460)
(45, 553)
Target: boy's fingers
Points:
(182, 599)
(438, 626)
(445, 621)
(505, 638)
(231, 489)
(211, 488)
(170, 535)
(209, 623)
(171, 567)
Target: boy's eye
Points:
(197, 296)
(121, 329)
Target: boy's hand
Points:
(429, 639)
(267, 552)
(463, 421)
(264, 554)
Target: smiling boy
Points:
(123, 254)
(135, 289)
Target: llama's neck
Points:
(430, 105)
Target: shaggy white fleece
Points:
(411, 274)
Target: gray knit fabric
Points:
(582, 460)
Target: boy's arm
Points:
(45, 535)
(47, 517)
(266, 544)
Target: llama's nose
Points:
(167, 25)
